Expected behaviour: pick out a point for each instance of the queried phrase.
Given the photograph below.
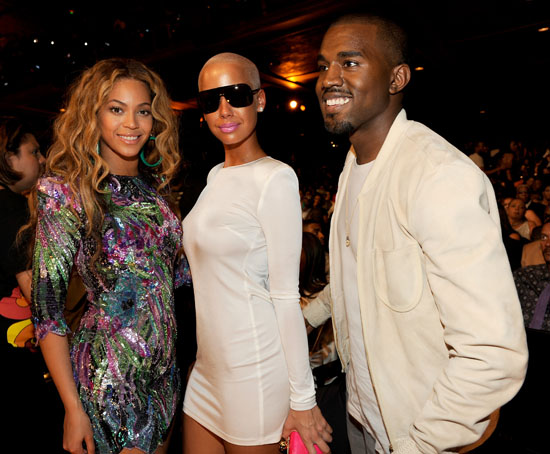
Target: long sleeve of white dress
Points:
(280, 216)
(243, 241)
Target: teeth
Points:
(129, 137)
(337, 101)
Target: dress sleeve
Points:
(56, 243)
(280, 218)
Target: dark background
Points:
(486, 64)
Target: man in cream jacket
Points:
(427, 319)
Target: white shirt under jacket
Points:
(441, 320)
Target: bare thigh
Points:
(197, 439)
(260, 449)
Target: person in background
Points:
(533, 211)
(533, 287)
(330, 382)
(21, 163)
(516, 216)
(420, 282)
(100, 208)
(251, 382)
(532, 252)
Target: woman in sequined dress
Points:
(100, 210)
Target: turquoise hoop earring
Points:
(98, 149)
(142, 156)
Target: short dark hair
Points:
(390, 33)
(13, 133)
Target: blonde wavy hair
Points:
(73, 154)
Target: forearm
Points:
(24, 279)
(55, 350)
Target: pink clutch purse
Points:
(296, 445)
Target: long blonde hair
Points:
(73, 154)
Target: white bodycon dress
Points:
(243, 242)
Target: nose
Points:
(332, 77)
(225, 108)
(41, 158)
(130, 121)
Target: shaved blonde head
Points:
(244, 63)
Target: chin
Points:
(339, 127)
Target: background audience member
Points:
(23, 368)
(329, 379)
(533, 211)
(533, 286)
(532, 252)
(517, 219)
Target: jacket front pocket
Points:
(398, 277)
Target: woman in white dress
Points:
(251, 382)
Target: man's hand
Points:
(311, 426)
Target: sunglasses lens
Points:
(238, 95)
(209, 101)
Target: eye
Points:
(350, 64)
(115, 109)
(322, 67)
(145, 112)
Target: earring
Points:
(142, 155)
(260, 109)
(98, 149)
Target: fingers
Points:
(90, 445)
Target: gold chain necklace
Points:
(346, 219)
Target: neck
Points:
(368, 139)
(243, 152)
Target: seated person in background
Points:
(315, 227)
(533, 211)
(532, 252)
(323, 358)
(518, 221)
(533, 286)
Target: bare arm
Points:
(77, 428)
(24, 279)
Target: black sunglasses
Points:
(238, 95)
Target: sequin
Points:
(123, 353)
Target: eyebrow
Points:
(123, 103)
(343, 54)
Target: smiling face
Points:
(125, 123)
(355, 78)
(233, 126)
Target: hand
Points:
(311, 426)
(77, 430)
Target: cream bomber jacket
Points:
(442, 324)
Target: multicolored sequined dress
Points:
(123, 353)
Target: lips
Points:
(129, 139)
(228, 128)
(335, 102)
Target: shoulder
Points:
(214, 171)
(268, 168)
(532, 273)
(423, 157)
(57, 192)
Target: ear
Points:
(261, 100)
(401, 75)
